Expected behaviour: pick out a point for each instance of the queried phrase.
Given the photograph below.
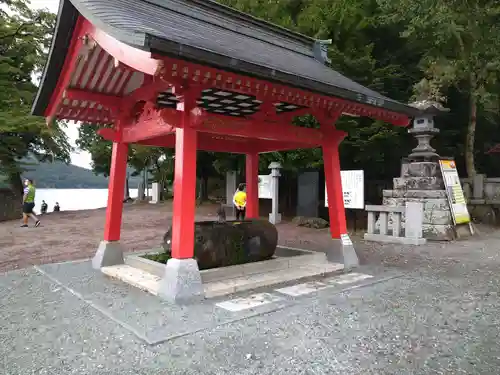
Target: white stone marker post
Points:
(275, 216)
(155, 193)
(230, 190)
(414, 217)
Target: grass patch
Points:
(160, 257)
(163, 258)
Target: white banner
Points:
(353, 189)
(265, 187)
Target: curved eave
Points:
(67, 18)
(63, 32)
(177, 50)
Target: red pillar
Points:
(252, 184)
(331, 161)
(116, 191)
(184, 191)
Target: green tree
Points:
(25, 37)
(461, 50)
(157, 161)
(364, 49)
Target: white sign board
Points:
(265, 186)
(353, 189)
(454, 192)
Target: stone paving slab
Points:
(151, 319)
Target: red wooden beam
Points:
(109, 134)
(252, 185)
(147, 92)
(208, 142)
(112, 102)
(218, 124)
(494, 149)
(151, 123)
(116, 191)
(204, 144)
(264, 91)
(82, 27)
(270, 146)
(123, 53)
(146, 129)
(85, 114)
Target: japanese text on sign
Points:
(353, 189)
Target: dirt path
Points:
(76, 235)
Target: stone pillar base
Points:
(345, 248)
(109, 253)
(274, 218)
(181, 282)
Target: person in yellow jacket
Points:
(240, 202)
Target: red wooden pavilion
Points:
(196, 75)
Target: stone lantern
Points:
(423, 160)
(421, 180)
(423, 130)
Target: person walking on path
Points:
(240, 202)
(29, 203)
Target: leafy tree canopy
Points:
(461, 50)
(443, 50)
(25, 36)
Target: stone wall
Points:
(421, 182)
(483, 198)
(10, 205)
(481, 189)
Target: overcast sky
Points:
(79, 158)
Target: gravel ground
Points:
(442, 317)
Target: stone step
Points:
(224, 273)
(134, 276)
(240, 284)
(422, 194)
(418, 183)
(150, 283)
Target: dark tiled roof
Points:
(204, 31)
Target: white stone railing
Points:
(413, 211)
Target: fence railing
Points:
(481, 189)
(390, 219)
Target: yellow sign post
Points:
(454, 192)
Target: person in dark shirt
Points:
(44, 208)
(57, 208)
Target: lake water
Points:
(75, 199)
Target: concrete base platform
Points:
(343, 250)
(109, 253)
(285, 257)
(150, 276)
(152, 319)
(391, 239)
(181, 282)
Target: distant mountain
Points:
(58, 175)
